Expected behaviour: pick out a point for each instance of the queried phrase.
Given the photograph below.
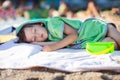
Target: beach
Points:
(47, 74)
(51, 74)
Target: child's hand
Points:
(47, 48)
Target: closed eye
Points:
(35, 34)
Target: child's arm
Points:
(72, 35)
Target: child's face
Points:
(36, 33)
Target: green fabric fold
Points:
(93, 30)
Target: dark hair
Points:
(21, 34)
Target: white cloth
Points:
(21, 56)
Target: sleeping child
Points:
(59, 32)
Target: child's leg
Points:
(109, 39)
(114, 34)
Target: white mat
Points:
(21, 56)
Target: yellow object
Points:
(97, 48)
(5, 38)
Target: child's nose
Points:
(37, 35)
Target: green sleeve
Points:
(55, 27)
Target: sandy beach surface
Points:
(49, 74)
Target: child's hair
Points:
(21, 34)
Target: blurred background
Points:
(80, 9)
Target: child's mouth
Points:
(41, 35)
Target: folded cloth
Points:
(6, 34)
(7, 30)
(5, 38)
(23, 56)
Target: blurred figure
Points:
(76, 5)
(112, 5)
(115, 7)
(92, 9)
(103, 4)
(2, 14)
(21, 8)
(9, 9)
(64, 10)
(70, 8)
(73, 7)
(52, 5)
(36, 11)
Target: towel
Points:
(7, 37)
(23, 55)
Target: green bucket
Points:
(97, 48)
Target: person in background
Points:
(21, 8)
(115, 7)
(36, 11)
(9, 9)
(108, 5)
(64, 10)
(52, 5)
(92, 9)
(72, 8)
(2, 14)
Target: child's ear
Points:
(41, 24)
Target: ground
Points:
(49, 74)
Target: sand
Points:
(49, 74)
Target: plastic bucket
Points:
(97, 48)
